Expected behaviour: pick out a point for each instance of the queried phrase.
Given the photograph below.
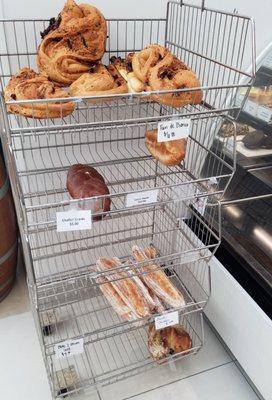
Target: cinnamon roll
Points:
(28, 85)
(72, 43)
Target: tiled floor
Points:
(210, 375)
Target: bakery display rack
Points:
(69, 308)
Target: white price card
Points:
(142, 198)
(165, 320)
(264, 113)
(251, 107)
(174, 129)
(239, 99)
(74, 220)
(69, 348)
(200, 204)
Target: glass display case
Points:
(246, 249)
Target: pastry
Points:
(156, 279)
(168, 153)
(228, 130)
(99, 81)
(168, 341)
(143, 61)
(28, 85)
(83, 182)
(257, 140)
(172, 74)
(125, 287)
(124, 67)
(72, 43)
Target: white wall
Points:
(260, 10)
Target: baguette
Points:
(125, 287)
(157, 280)
(115, 300)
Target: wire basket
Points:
(115, 358)
(110, 136)
(210, 42)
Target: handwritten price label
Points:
(142, 198)
(165, 320)
(174, 130)
(69, 348)
(74, 220)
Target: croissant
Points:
(72, 43)
(28, 85)
(171, 74)
(99, 81)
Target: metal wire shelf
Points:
(79, 309)
(176, 230)
(216, 56)
(40, 164)
(110, 136)
(116, 358)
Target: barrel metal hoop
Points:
(7, 255)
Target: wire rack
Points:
(66, 299)
(210, 42)
(115, 358)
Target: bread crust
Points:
(28, 85)
(168, 153)
(99, 81)
(83, 182)
(70, 48)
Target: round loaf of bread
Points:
(168, 341)
(84, 182)
(168, 153)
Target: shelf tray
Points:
(116, 358)
(79, 309)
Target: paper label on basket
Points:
(174, 129)
(265, 114)
(165, 320)
(74, 220)
(251, 107)
(200, 203)
(69, 348)
(142, 198)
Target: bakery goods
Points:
(99, 81)
(168, 153)
(145, 60)
(115, 300)
(72, 43)
(156, 279)
(172, 74)
(83, 182)
(168, 341)
(124, 67)
(125, 287)
(28, 85)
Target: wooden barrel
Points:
(8, 235)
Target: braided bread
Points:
(28, 85)
(99, 81)
(72, 43)
(171, 74)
